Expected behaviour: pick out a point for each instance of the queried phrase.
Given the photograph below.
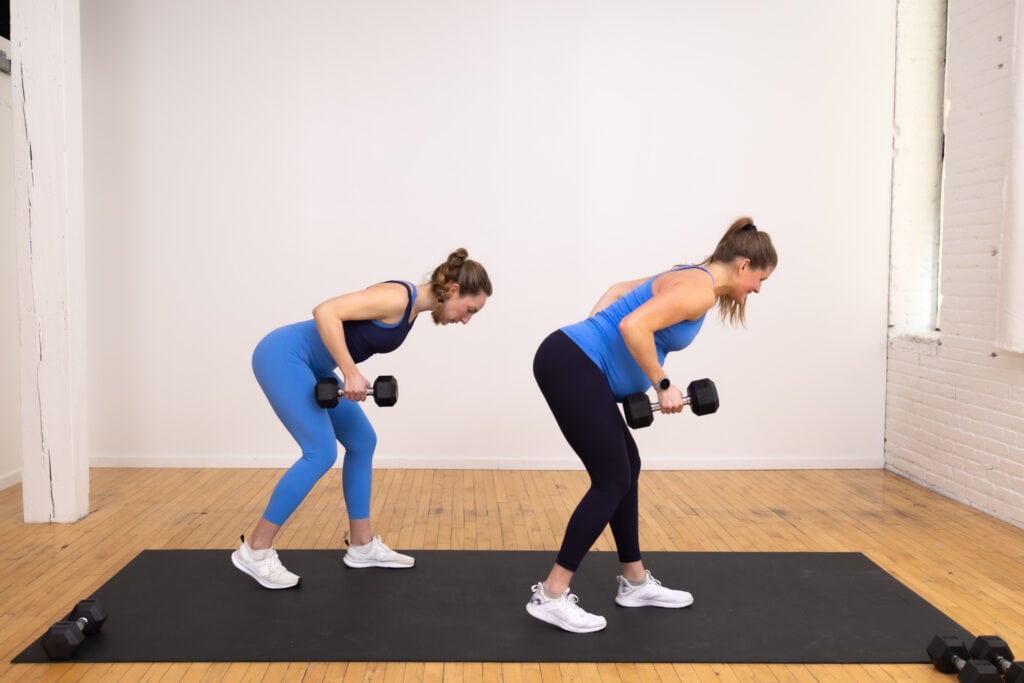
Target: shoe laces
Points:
(373, 548)
(571, 603)
(569, 600)
(378, 549)
(274, 563)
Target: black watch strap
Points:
(664, 384)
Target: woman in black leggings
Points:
(585, 369)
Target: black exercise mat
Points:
(193, 605)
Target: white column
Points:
(1010, 309)
(10, 341)
(917, 165)
(46, 72)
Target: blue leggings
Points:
(287, 378)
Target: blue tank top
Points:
(599, 337)
(364, 338)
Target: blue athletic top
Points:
(599, 337)
(364, 338)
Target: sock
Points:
(544, 593)
(257, 554)
(633, 583)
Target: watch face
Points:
(664, 384)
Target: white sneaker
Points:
(650, 594)
(263, 566)
(563, 611)
(376, 554)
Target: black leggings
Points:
(586, 411)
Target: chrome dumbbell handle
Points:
(655, 406)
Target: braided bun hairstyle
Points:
(459, 269)
(742, 240)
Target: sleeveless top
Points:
(599, 337)
(364, 338)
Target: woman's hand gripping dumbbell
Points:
(384, 391)
(701, 395)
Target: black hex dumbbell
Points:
(994, 649)
(64, 637)
(384, 391)
(701, 395)
(950, 655)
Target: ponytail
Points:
(742, 240)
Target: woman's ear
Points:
(453, 291)
(742, 264)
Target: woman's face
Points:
(460, 308)
(748, 280)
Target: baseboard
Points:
(559, 462)
(10, 479)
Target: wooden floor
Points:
(963, 562)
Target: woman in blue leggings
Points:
(344, 331)
(584, 369)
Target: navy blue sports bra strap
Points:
(411, 289)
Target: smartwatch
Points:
(664, 384)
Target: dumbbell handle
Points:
(1003, 663)
(655, 406)
(341, 391)
(81, 623)
(959, 662)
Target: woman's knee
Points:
(321, 458)
(352, 428)
(359, 440)
(367, 441)
(360, 456)
(614, 487)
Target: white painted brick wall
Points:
(954, 403)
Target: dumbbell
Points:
(950, 655)
(384, 391)
(994, 649)
(64, 637)
(701, 395)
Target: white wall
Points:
(955, 406)
(243, 165)
(10, 373)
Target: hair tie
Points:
(749, 226)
